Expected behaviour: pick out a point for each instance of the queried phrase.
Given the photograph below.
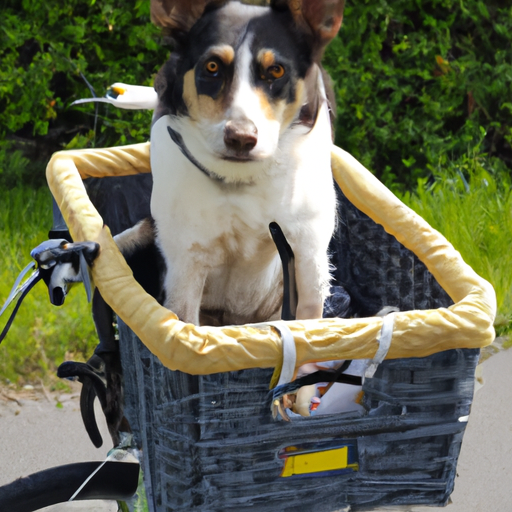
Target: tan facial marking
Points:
(280, 110)
(200, 106)
(266, 58)
(270, 110)
(224, 52)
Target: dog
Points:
(241, 137)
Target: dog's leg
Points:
(184, 284)
(312, 276)
(312, 269)
(184, 281)
(137, 237)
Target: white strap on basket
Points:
(384, 339)
(289, 352)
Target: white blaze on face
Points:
(251, 104)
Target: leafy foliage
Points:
(416, 79)
(46, 50)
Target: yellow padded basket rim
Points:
(202, 350)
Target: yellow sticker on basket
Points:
(317, 462)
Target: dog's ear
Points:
(320, 17)
(178, 16)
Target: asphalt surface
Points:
(36, 434)
(39, 431)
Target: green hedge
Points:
(46, 48)
(417, 81)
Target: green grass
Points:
(470, 202)
(42, 335)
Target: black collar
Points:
(178, 140)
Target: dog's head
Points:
(241, 76)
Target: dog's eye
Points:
(275, 71)
(212, 67)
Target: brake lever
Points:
(59, 263)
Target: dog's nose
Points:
(240, 135)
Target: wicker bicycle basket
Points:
(209, 440)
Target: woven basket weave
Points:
(210, 443)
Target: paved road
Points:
(35, 434)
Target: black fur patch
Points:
(212, 84)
